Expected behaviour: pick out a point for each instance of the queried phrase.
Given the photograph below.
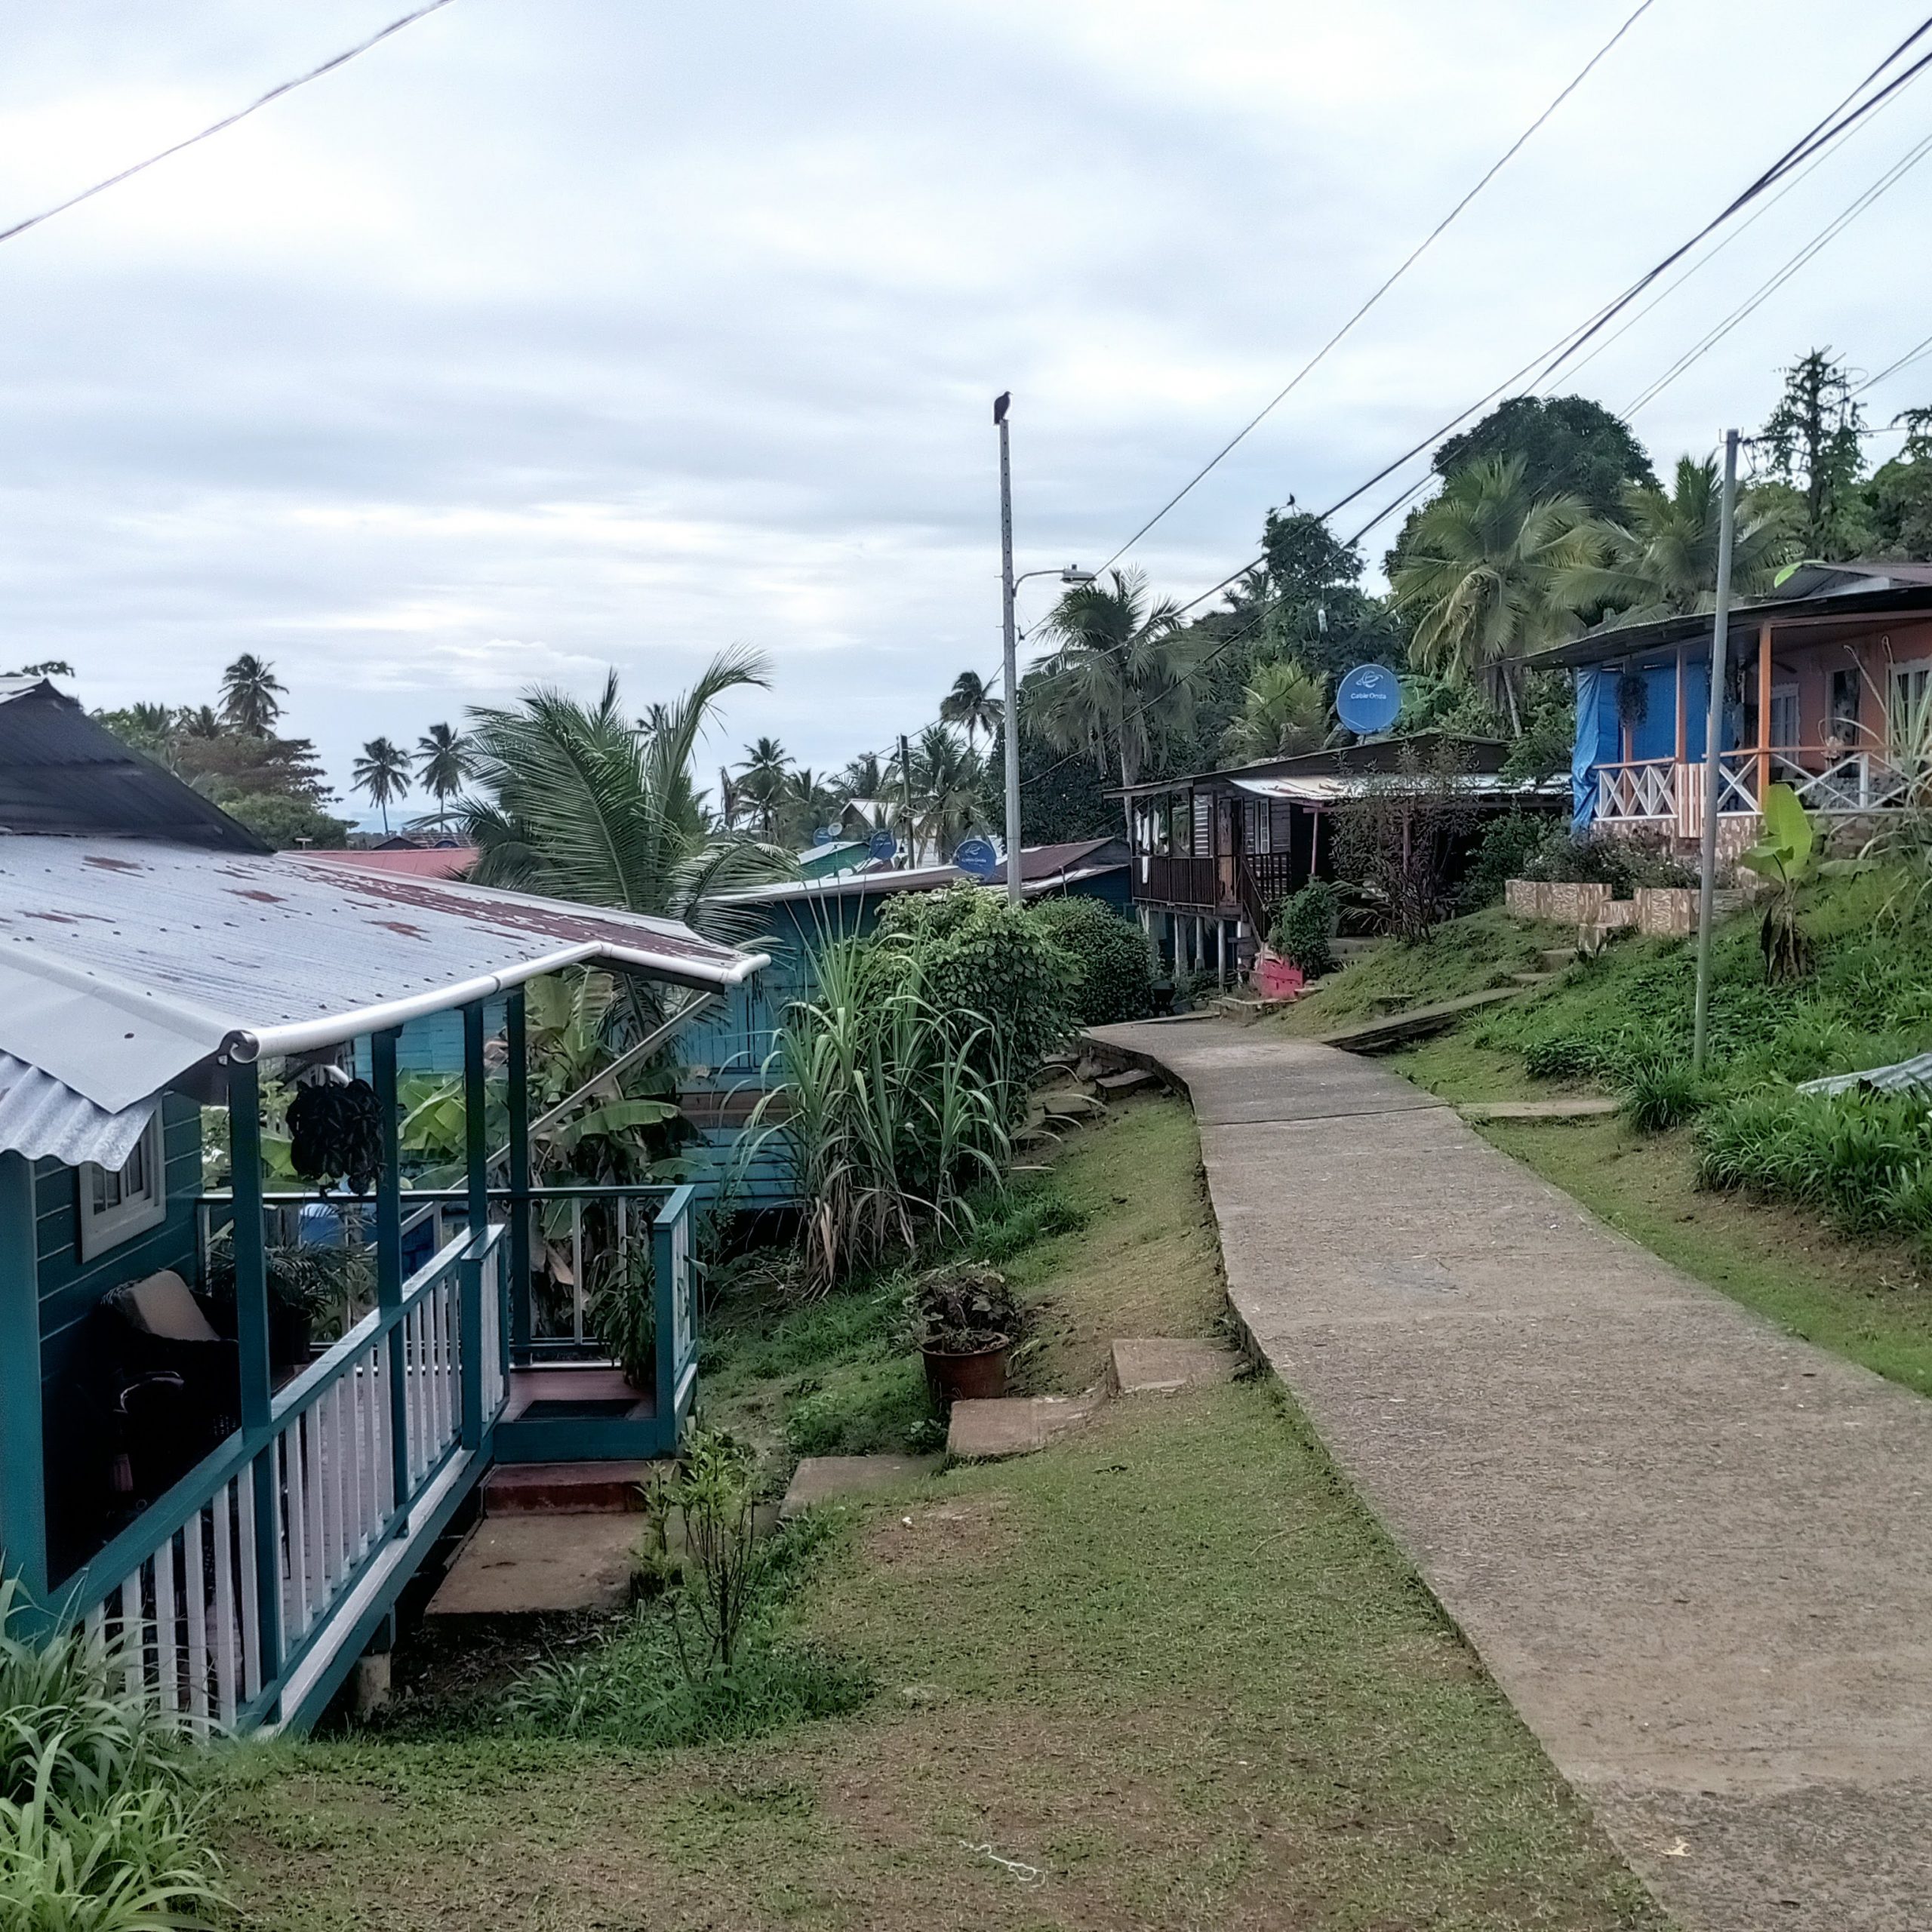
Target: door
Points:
(1227, 855)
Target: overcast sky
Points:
(549, 336)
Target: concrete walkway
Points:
(1696, 1554)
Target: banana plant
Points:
(1786, 854)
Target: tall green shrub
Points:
(1113, 964)
(1305, 928)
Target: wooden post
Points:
(23, 1472)
(388, 1265)
(475, 1129)
(251, 1335)
(1763, 712)
(517, 1038)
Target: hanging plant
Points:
(335, 1130)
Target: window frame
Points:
(103, 1228)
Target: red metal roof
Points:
(417, 862)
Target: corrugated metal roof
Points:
(1042, 869)
(45, 1119)
(1326, 791)
(414, 862)
(1903, 1076)
(60, 772)
(124, 962)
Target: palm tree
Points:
(1663, 550)
(201, 721)
(760, 782)
(948, 788)
(1118, 686)
(1487, 574)
(382, 775)
(806, 802)
(578, 803)
(1283, 710)
(443, 762)
(971, 704)
(251, 695)
(864, 777)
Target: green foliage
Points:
(962, 1308)
(622, 1314)
(100, 1831)
(1661, 1094)
(1306, 926)
(1623, 864)
(975, 953)
(898, 1097)
(1283, 711)
(1503, 848)
(1785, 853)
(287, 823)
(1113, 964)
(1811, 443)
(1865, 1160)
(1568, 445)
(1063, 798)
(1899, 497)
(637, 1690)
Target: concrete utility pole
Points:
(1713, 747)
(1011, 648)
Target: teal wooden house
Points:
(181, 1469)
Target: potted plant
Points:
(965, 1322)
(623, 1315)
(305, 1285)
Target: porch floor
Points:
(575, 1413)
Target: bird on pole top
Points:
(999, 405)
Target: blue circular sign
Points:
(824, 834)
(883, 845)
(1369, 699)
(977, 856)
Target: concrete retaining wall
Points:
(1659, 911)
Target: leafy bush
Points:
(1305, 928)
(1861, 1158)
(1661, 1094)
(99, 1829)
(969, 950)
(898, 1102)
(1113, 964)
(963, 1309)
(635, 1690)
(1503, 849)
(1621, 863)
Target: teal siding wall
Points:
(69, 1289)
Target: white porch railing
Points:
(1858, 781)
(1668, 795)
(218, 1597)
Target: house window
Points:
(1204, 826)
(115, 1207)
(1784, 717)
(1908, 716)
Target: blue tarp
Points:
(1596, 741)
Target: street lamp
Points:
(1070, 574)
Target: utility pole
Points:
(1012, 658)
(1713, 747)
(906, 791)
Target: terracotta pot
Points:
(977, 1377)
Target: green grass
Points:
(1466, 956)
(1170, 1670)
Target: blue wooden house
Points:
(238, 1510)
(723, 1048)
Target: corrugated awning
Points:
(45, 1119)
(1328, 790)
(124, 963)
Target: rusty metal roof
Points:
(125, 962)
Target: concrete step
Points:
(1573, 1106)
(1535, 979)
(1015, 1425)
(1151, 1366)
(528, 1565)
(569, 1489)
(833, 1478)
(1555, 958)
(1394, 1029)
(1117, 1086)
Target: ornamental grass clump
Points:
(1661, 1094)
(100, 1830)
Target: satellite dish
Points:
(883, 845)
(823, 834)
(977, 856)
(1369, 700)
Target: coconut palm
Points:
(251, 695)
(1118, 686)
(806, 802)
(1487, 577)
(574, 801)
(443, 763)
(199, 721)
(760, 784)
(864, 777)
(949, 787)
(381, 774)
(1663, 549)
(1283, 710)
(971, 705)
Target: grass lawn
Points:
(1168, 1673)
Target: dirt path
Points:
(1693, 1552)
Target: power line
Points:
(1911, 356)
(1408, 262)
(218, 127)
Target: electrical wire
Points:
(1911, 356)
(1402, 267)
(227, 121)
